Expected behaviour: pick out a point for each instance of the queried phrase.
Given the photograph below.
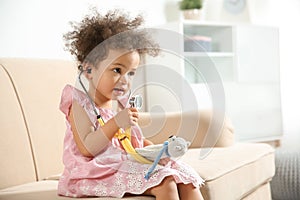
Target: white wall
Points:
(34, 28)
(286, 15)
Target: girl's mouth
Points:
(118, 91)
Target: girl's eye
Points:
(131, 73)
(117, 70)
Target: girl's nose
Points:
(123, 79)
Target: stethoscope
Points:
(99, 117)
(134, 101)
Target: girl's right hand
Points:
(127, 117)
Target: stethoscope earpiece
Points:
(80, 68)
(88, 70)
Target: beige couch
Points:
(32, 130)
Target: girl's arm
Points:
(89, 141)
(147, 142)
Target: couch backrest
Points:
(16, 164)
(31, 126)
(201, 128)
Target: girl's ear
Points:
(88, 70)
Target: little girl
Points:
(95, 162)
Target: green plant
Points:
(190, 4)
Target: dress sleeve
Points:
(137, 137)
(66, 100)
(69, 94)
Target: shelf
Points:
(243, 58)
(209, 54)
(205, 23)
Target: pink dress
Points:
(111, 172)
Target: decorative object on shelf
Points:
(197, 43)
(191, 9)
(235, 6)
(230, 11)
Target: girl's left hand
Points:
(164, 161)
(127, 117)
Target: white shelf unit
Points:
(246, 57)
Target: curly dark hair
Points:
(95, 29)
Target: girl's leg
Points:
(189, 192)
(167, 190)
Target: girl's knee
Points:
(188, 191)
(169, 183)
(168, 187)
(186, 186)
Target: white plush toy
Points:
(174, 147)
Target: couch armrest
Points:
(200, 128)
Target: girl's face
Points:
(115, 75)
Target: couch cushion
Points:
(246, 169)
(16, 164)
(263, 192)
(39, 99)
(232, 172)
(47, 190)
